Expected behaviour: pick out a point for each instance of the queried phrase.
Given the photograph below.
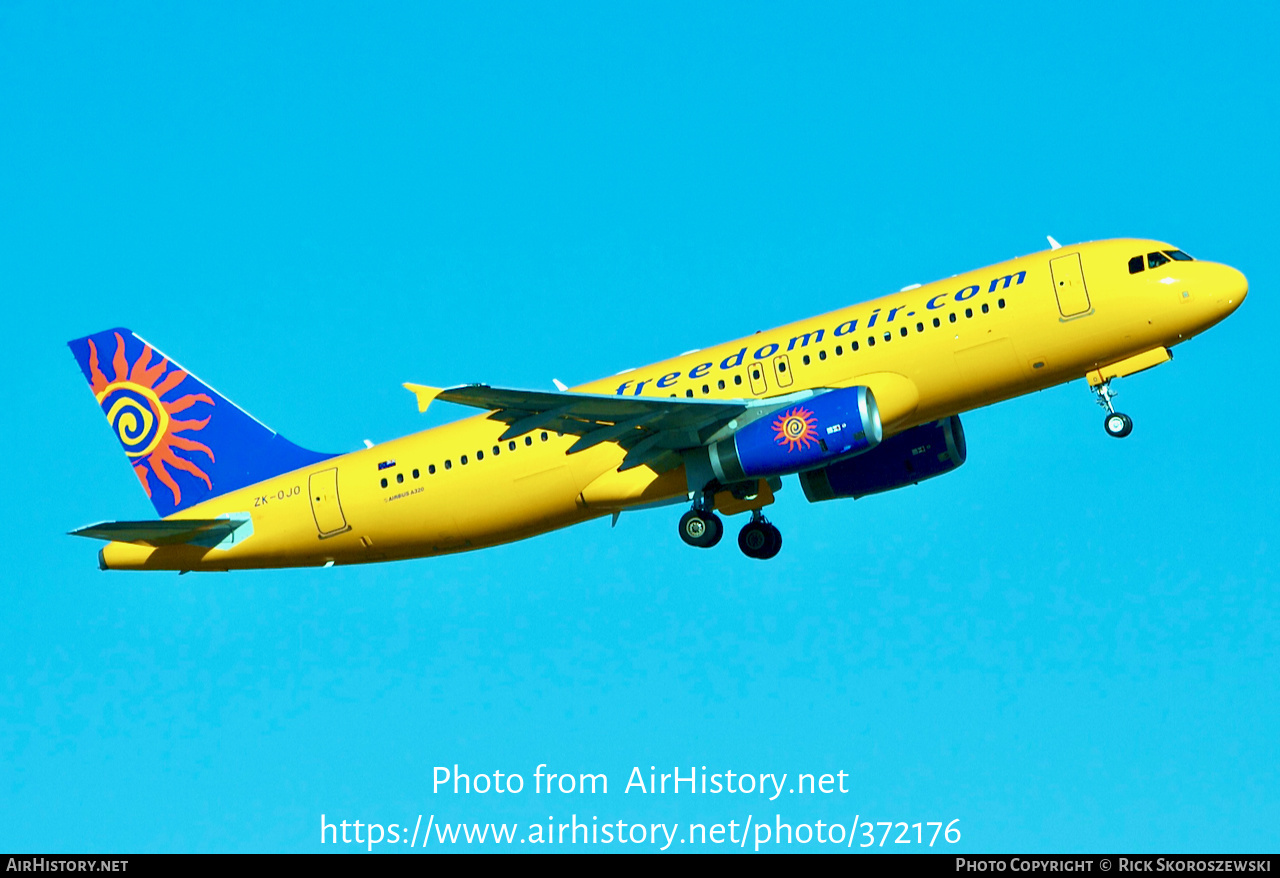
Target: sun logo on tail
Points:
(796, 429)
(135, 405)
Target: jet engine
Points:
(905, 459)
(835, 424)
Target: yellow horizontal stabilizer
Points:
(424, 394)
(167, 532)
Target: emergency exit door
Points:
(324, 503)
(782, 371)
(1068, 285)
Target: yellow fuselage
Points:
(928, 352)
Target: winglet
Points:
(424, 394)
(1053, 245)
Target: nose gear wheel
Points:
(1118, 425)
(1115, 423)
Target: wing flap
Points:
(581, 414)
(589, 408)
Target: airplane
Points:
(854, 402)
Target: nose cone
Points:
(1234, 286)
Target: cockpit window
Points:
(1156, 259)
(1179, 256)
(1135, 264)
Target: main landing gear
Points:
(758, 538)
(702, 528)
(1115, 423)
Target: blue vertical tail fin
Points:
(185, 441)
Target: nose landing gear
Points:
(1116, 424)
(758, 538)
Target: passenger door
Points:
(1068, 285)
(325, 505)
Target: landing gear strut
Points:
(1116, 424)
(701, 527)
(758, 538)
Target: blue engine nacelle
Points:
(906, 459)
(796, 437)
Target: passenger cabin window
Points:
(1135, 264)
(1155, 260)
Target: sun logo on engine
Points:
(143, 419)
(797, 429)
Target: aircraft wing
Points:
(169, 532)
(652, 430)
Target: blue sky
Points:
(1068, 644)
